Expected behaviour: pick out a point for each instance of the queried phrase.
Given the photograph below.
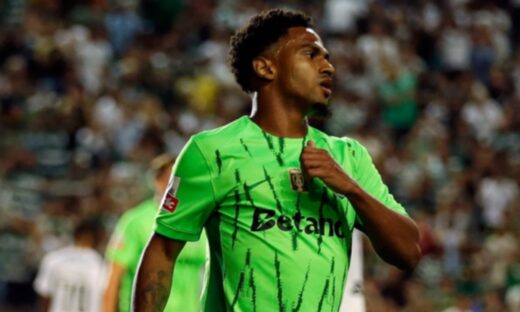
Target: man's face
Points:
(303, 68)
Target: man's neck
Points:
(83, 244)
(278, 118)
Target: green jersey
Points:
(130, 237)
(277, 243)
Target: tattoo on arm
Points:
(157, 290)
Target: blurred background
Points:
(91, 90)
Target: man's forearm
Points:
(111, 295)
(154, 276)
(395, 237)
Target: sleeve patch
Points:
(170, 202)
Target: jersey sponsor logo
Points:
(297, 180)
(170, 202)
(265, 219)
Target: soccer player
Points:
(278, 199)
(69, 279)
(130, 236)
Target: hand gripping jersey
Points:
(277, 242)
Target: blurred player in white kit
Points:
(353, 297)
(71, 279)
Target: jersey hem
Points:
(176, 234)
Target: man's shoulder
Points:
(55, 255)
(140, 213)
(335, 141)
(220, 134)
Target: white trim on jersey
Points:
(353, 296)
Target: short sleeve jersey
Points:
(277, 243)
(130, 237)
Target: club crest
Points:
(297, 180)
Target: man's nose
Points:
(328, 68)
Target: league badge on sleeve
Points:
(170, 202)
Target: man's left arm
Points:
(121, 250)
(111, 293)
(395, 236)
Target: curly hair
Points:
(262, 30)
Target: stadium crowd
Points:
(92, 90)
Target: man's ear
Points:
(264, 68)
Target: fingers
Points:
(313, 163)
(314, 153)
(313, 157)
(309, 161)
(311, 148)
(317, 172)
(318, 166)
